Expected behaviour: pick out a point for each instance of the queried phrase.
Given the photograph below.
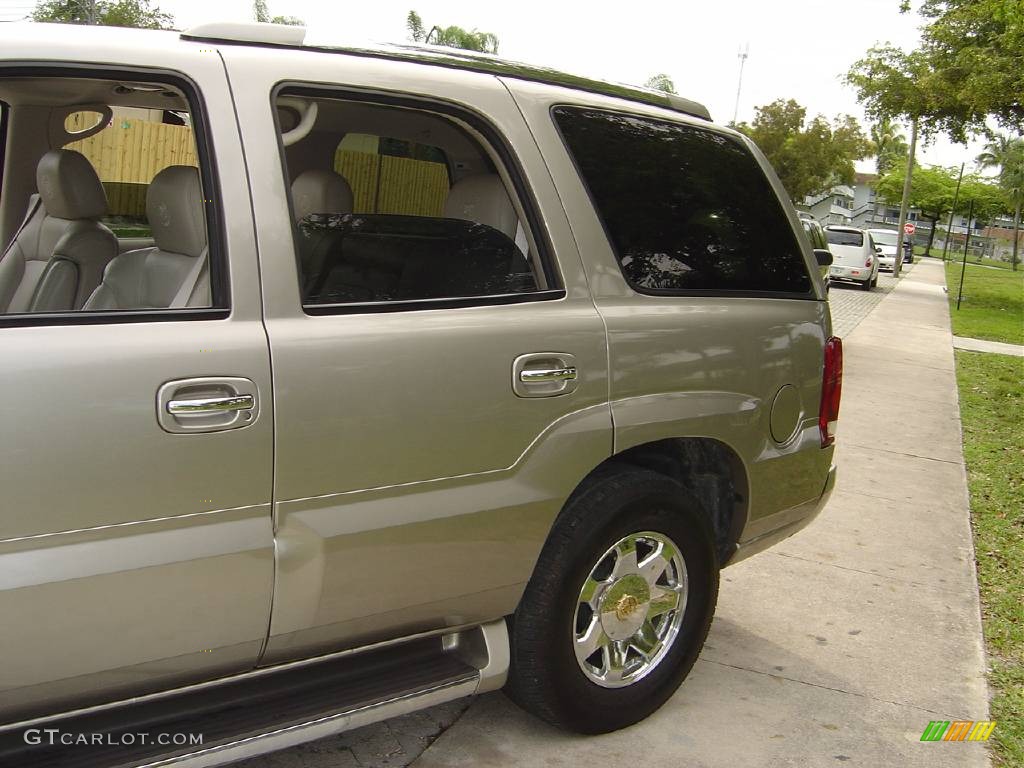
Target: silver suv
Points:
(342, 382)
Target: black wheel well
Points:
(708, 469)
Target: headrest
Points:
(69, 187)
(482, 198)
(320, 191)
(175, 209)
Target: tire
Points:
(874, 281)
(546, 677)
(866, 285)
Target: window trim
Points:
(5, 116)
(497, 143)
(661, 292)
(216, 232)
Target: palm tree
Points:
(888, 144)
(1007, 154)
(661, 82)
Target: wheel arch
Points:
(708, 468)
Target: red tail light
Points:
(831, 390)
(868, 262)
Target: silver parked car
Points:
(885, 241)
(341, 382)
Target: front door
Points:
(136, 543)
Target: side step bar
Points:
(253, 715)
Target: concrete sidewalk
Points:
(841, 644)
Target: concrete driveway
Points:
(835, 648)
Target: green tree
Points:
(888, 145)
(812, 156)
(453, 36)
(417, 32)
(661, 82)
(120, 13)
(933, 190)
(974, 48)
(1007, 154)
(262, 14)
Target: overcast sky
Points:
(799, 49)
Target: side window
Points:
(687, 210)
(394, 204)
(117, 214)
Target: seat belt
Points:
(33, 206)
(189, 284)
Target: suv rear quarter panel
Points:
(699, 366)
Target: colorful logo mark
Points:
(958, 730)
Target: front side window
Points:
(117, 214)
(687, 210)
(417, 210)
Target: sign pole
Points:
(963, 267)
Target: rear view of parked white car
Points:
(854, 256)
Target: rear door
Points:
(419, 466)
(135, 535)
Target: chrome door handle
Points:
(542, 375)
(206, 405)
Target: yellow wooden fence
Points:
(129, 153)
(406, 186)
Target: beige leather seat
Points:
(174, 273)
(57, 257)
(320, 191)
(483, 199)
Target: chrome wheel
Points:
(629, 609)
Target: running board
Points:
(259, 714)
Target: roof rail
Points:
(454, 58)
(247, 32)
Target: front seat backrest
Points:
(153, 278)
(317, 190)
(58, 255)
(483, 199)
(320, 191)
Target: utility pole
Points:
(744, 53)
(956, 201)
(898, 262)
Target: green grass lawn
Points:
(993, 303)
(992, 411)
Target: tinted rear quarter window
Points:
(687, 210)
(843, 237)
